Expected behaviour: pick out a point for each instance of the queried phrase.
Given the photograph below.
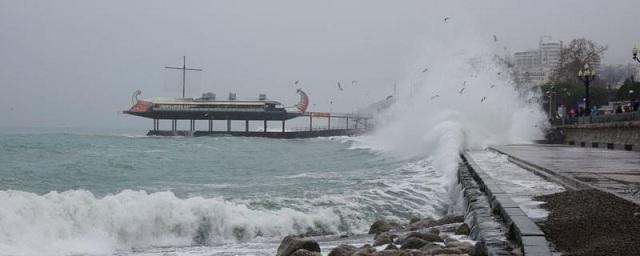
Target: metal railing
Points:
(610, 118)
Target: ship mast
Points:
(184, 71)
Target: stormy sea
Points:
(66, 192)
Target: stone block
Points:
(525, 226)
(504, 201)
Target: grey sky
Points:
(76, 63)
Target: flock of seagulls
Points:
(464, 84)
(435, 96)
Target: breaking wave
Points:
(464, 99)
(76, 222)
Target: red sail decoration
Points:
(140, 107)
(304, 101)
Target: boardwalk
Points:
(613, 171)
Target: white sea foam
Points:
(76, 222)
(437, 118)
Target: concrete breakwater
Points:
(493, 224)
(489, 204)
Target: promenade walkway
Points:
(612, 171)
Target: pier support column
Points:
(265, 126)
(174, 125)
(228, 125)
(192, 125)
(329, 123)
(210, 125)
(283, 125)
(246, 125)
(347, 123)
(365, 123)
(310, 123)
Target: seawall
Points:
(495, 219)
(613, 135)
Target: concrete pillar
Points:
(210, 125)
(246, 125)
(265, 126)
(347, 123)
(365, 123)
(174, 125)
(329, 123)
(228, 125)
(310, 122)
(283, 130)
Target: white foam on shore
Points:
(76, 222)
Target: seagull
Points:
(388, 97)
(446, 19)
(340, 86)
(499, 73)
(425, 70)
(296, 82)
(435, 96)
(483, 99)
(354, 82)
(493, 85)
(495, 38)
(461, 90)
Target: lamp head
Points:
(635, 52)
(580, 73)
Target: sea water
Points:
(69, 193)
(104, 193)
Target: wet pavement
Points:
(519, 184)
(610, 170)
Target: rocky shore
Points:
(419, 237)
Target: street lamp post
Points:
(635, 52)
(587, 75)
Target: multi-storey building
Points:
(534, 67)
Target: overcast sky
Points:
(76, 63)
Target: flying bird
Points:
(461, 90)
(425, 70)
(446, 19)
(435, 96)
(388, 97)
(493, 85)
(296, 82)
(495, 38)
(354, 82)
(483, 99)
(340, 86)
(499, 73)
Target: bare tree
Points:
(614, 76)
(574, 56)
